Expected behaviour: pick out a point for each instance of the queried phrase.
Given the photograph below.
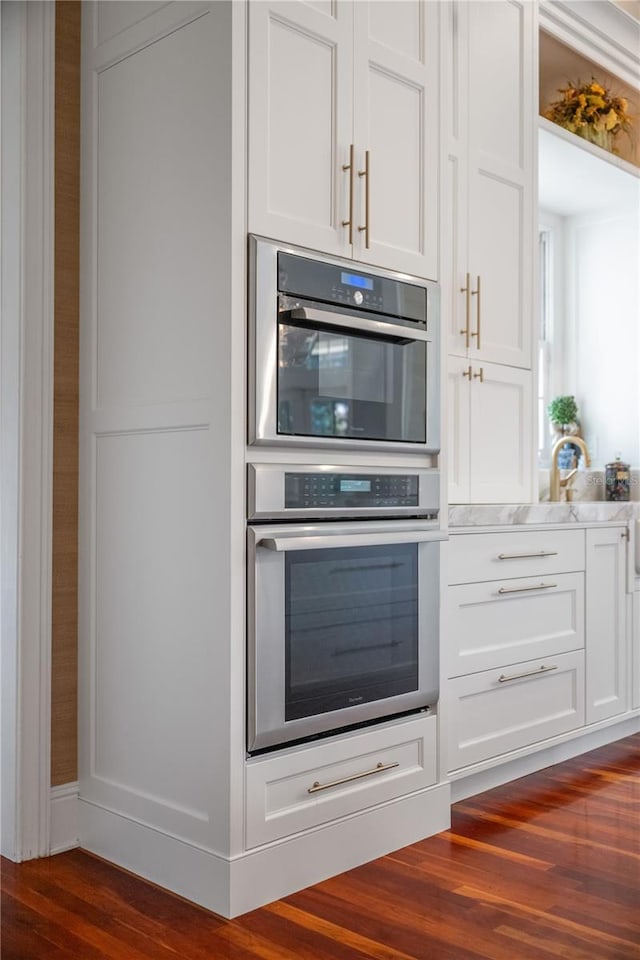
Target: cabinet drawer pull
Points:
(366, 173)
(538, 586)
(466, 333)
(379, 768)
(350, 167)
(531, 673)
(476, 293)
(527, 556)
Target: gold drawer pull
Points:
(366, 173)
(379, 768)
(538, 586)
(476, 293)
(531, 673)
(466, 333)
(351, 168)
(526, 556)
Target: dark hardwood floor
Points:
(545, 867)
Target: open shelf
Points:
(577, 177)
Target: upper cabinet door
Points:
(489, 54)
(300, 122)
(396, 134)
(501, 178)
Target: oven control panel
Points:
(327, 490)
(302, 490)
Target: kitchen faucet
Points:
(555, 483)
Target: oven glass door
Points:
(336, 383)
(351, 627)
(343, 626)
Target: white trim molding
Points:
(63, 817)
(599, 30)
(26, 422)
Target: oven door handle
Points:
(332, 319)
(293, 541)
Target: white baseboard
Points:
(63, 817)
(232, 886)
(474, 781)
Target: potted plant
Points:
(563, 414)
(592, 112)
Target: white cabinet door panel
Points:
(458, 417)
(300, 123)
(500, 318)
(606, 644)
(154, 127)
(500, 435)
(498, 85)
(510, 621)
(353, 772)
(489, 64)
(499, 710)
(396, 119)
(398, 25)
(515, 553)
(635, 650)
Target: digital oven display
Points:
(355, 486)
(354, 280)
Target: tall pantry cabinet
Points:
(174, 141)
(489, 206)
(161, 425)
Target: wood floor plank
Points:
(544, 868)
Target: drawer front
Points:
(497, 711)
(510, 621)
(312, 785)
(529, 553)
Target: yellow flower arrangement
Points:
(592, 112)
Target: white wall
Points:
(602, 256)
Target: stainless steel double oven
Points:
(343, 555)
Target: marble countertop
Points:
(499, 514)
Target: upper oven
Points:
(342, 355)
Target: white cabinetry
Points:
(635, 650)
(489, 432)
(538, 644)
(490, 52)
(162, 760)
(343, 129)
(488, 223)
(607, 655)
(311, 785)
(515, 657)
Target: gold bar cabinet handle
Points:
(479, 376)
(476, 293)
(466, 333)
(379, 768)
(468, 372)
(350, 167)
(366, 173)
(539, 586)
(527, 556)
(531, 673)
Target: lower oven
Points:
(343, 608)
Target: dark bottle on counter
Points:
(617, 480)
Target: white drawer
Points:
(492, 713)
(514, 553)
(354, 772)
(509, 621)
